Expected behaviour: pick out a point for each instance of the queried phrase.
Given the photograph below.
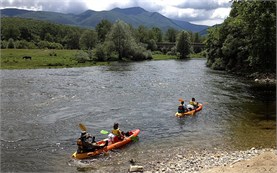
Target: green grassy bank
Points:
(47, 58)
(41, 58)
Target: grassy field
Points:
(47, 58)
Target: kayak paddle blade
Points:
(82, 127)
(104, 132)
(135, 138)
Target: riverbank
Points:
(217, 161)
(51, 58)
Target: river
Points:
(41, 110)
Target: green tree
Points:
(102, 29)
(121, 37)
(88, 39)
(11, 43)
(183, 44)
(171, 35)
(141, 34)
(72, 39)
(11, 31)
(121, 40)
(156, 34)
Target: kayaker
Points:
(193, 103)
(182, 108)
(86, 143)
(118, 134)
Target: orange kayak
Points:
(110, 146)
(192, 112)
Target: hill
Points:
(135, 16)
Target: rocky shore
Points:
(215, 162)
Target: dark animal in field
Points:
(27, 57)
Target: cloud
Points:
(204, 4)
(64, 6)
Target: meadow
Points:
(41, 58)
(51, 58)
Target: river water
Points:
(41, 110)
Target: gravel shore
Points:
(214, 161)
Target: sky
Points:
(202, 12)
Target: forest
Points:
(246, 41)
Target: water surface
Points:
(41, 110)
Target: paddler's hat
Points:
(181, 100)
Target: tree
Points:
(121, 40)
(102, 29)
(72, 39)
(246, 40)
(141, 34)
(183, 44)
(121, 37)
(171, 34)
(156, 34)
(11, 31)
(196, 39)
(88, 39)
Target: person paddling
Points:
(193, 103)
(118, 134)
(86, 143)
(182, 108)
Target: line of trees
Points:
(109, 41)
(246, 41)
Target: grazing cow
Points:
(27, 57)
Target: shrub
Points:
(4, 44)
(81, 57)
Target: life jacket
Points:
(181, 109)
(116, 132)
(81, 147)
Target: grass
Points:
(163, 57)
(47, 58)
(41, 58)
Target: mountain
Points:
(135, 16)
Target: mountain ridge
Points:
(135, 16)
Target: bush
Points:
(218, 64)
(11, 43)
(100, 53)
(81, 57)
(4, 44)
(156, 52)
(23, 44)
(43, 44)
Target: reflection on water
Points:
(41, 110)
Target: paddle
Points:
(82, 127)
(104, 132)
(135, 138)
